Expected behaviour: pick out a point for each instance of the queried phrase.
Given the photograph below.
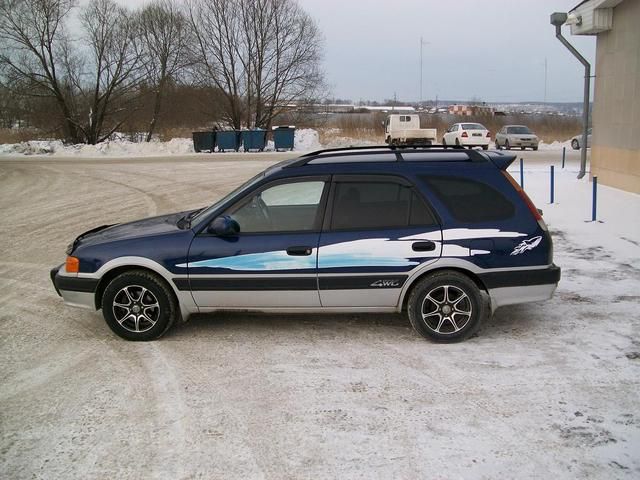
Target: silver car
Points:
(575, 141)
(516, 136)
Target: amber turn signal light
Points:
(72, 265)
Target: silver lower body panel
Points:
(512, 295)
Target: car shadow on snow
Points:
(508, 321)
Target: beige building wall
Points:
(615, 155)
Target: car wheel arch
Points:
(406, 293)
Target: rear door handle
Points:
(299, 251)
(423, 247)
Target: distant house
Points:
(470, 110)
(615, 152)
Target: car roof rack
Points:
(473, 155)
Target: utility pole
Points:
(422, 43)
(545, 81)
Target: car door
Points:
(377, 229)
(272, 262)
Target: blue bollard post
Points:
(521, 173)
(594, 200)
(552, 174)
(564, 153)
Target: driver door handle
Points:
(299, 251)
(423, 247)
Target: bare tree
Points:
(33, 43)
(262, 54)
(165, 37)
(284, 47)
(112, 35)
(93, 80)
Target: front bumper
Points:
(75, 291)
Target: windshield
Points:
(206, 211)
(472, 126)
(520, 130)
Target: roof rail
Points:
(398, 150)
(380, 147)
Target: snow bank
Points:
(555, 145)
(306, 139)
(115, 148)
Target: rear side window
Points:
(470, 201)
(377, 205)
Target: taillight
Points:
(464, 134)
(488, 134)
(530, 205)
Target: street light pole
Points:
(422, 42)
(558, 19)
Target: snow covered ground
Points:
(306, 139)
(546, 390)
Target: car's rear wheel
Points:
(575, 144)
(138, 305)
(457, 142)
(446, 307)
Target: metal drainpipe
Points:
(585, 104)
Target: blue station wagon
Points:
(444, 234)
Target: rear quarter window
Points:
(470, 201)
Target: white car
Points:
(575, 141)
(467, 135)
(516, 136)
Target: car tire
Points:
(498, 147)
(444, 142)
(446, 307)
(506, 145)
(139, 306)
(575, 144)
(457, 142)
(485, 147)
(522, 148)
(535, 149)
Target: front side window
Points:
(377, 205)
(289, 207)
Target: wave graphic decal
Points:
(369, 252)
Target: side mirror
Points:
(224, 226)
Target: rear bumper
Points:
(475, 141)
(76, 292)
(521, 286)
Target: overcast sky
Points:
(492, 50)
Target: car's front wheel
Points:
(139, 305)
(446, 307)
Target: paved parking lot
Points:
(544, 391)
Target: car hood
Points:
(136, 229)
